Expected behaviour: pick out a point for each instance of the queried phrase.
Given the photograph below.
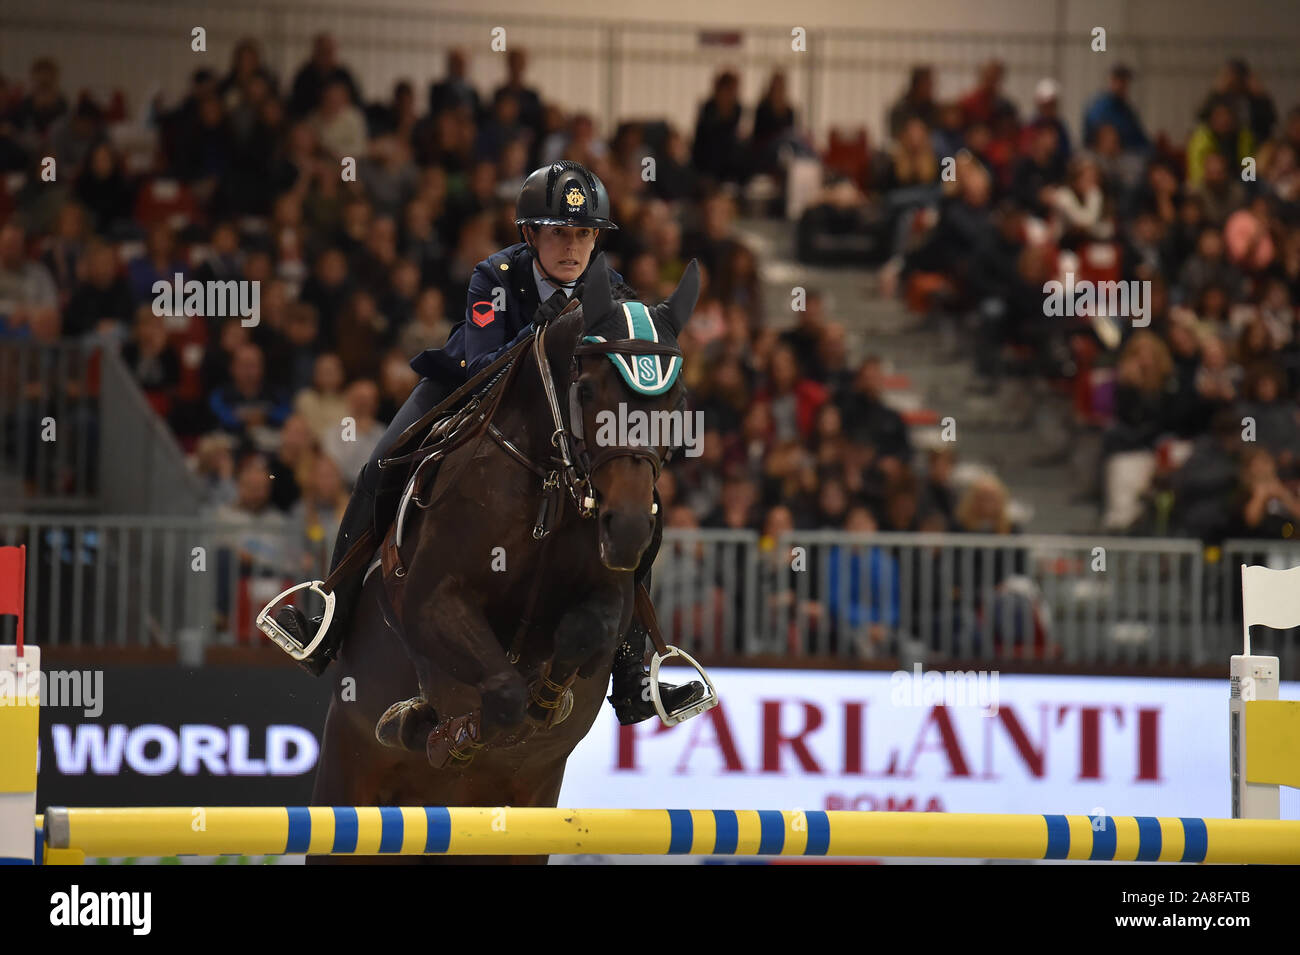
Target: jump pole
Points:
(527, 831)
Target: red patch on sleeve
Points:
(482, 313)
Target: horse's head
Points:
(626, 403)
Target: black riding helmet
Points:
(564, 193)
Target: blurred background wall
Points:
(627, 59)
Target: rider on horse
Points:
(559, 212)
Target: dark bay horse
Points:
(445, 698)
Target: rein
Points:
(572, 467)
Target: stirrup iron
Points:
(283, 638)
(708, 702)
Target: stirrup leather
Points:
(708, 702)
(282, 637)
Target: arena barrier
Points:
(69, 835)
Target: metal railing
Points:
(49, 414)
(1073, 601)
(976, 596)
(720, 594)
(160, 582)
(77, 434)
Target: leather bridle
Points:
(573, 465)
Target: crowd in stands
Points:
(1195, 402)
(241, 180)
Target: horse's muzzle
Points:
(624, 535)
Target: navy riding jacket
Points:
(486, 332)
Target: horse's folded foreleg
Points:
(466, 650)
(584, 639)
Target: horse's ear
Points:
(597, 299)
(678, 307)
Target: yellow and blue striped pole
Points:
(525, 831)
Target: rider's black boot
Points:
(357, 517)
(631, 696)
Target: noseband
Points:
(574, 465)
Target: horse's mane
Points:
(567, 328)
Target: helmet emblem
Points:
(574, 198)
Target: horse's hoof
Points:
(547, 712)
(405, 725)
(453, 742)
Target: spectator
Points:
(1047, 113)
(152, 361)
(351, 442)
(1247, 236)
(1081, 205)
(160, 263)
(917, 102)
(215, 466)
(1121, 172)
(256, 530)
(1266, 508)
(529, 104)
(502, 127)
(340, 125)
(1112, 107)
(317, 74)
(1207, 267)
(873, 422)
(984, 508)
(64, 251)
(1219, 134)
(430, 327)
(249, 406)
(912, 162)
(321, 507)
(902, 504)
(246, 69)
(773, 122)
(1039, 171)
(43, 104)
(1204, 488)
(985, 101)
(74, 134)
(223, 262)
(1252, 108)
(716, 151)
(1144, 379)
(327, 290)
(806, 335)
(27, 292)
(794, 399)
(871, 612)
(938, 496)
(324, 405)
(102, 301)
(1271, 414)
(455, 91)
(292, 463)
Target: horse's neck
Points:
(526, 418)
